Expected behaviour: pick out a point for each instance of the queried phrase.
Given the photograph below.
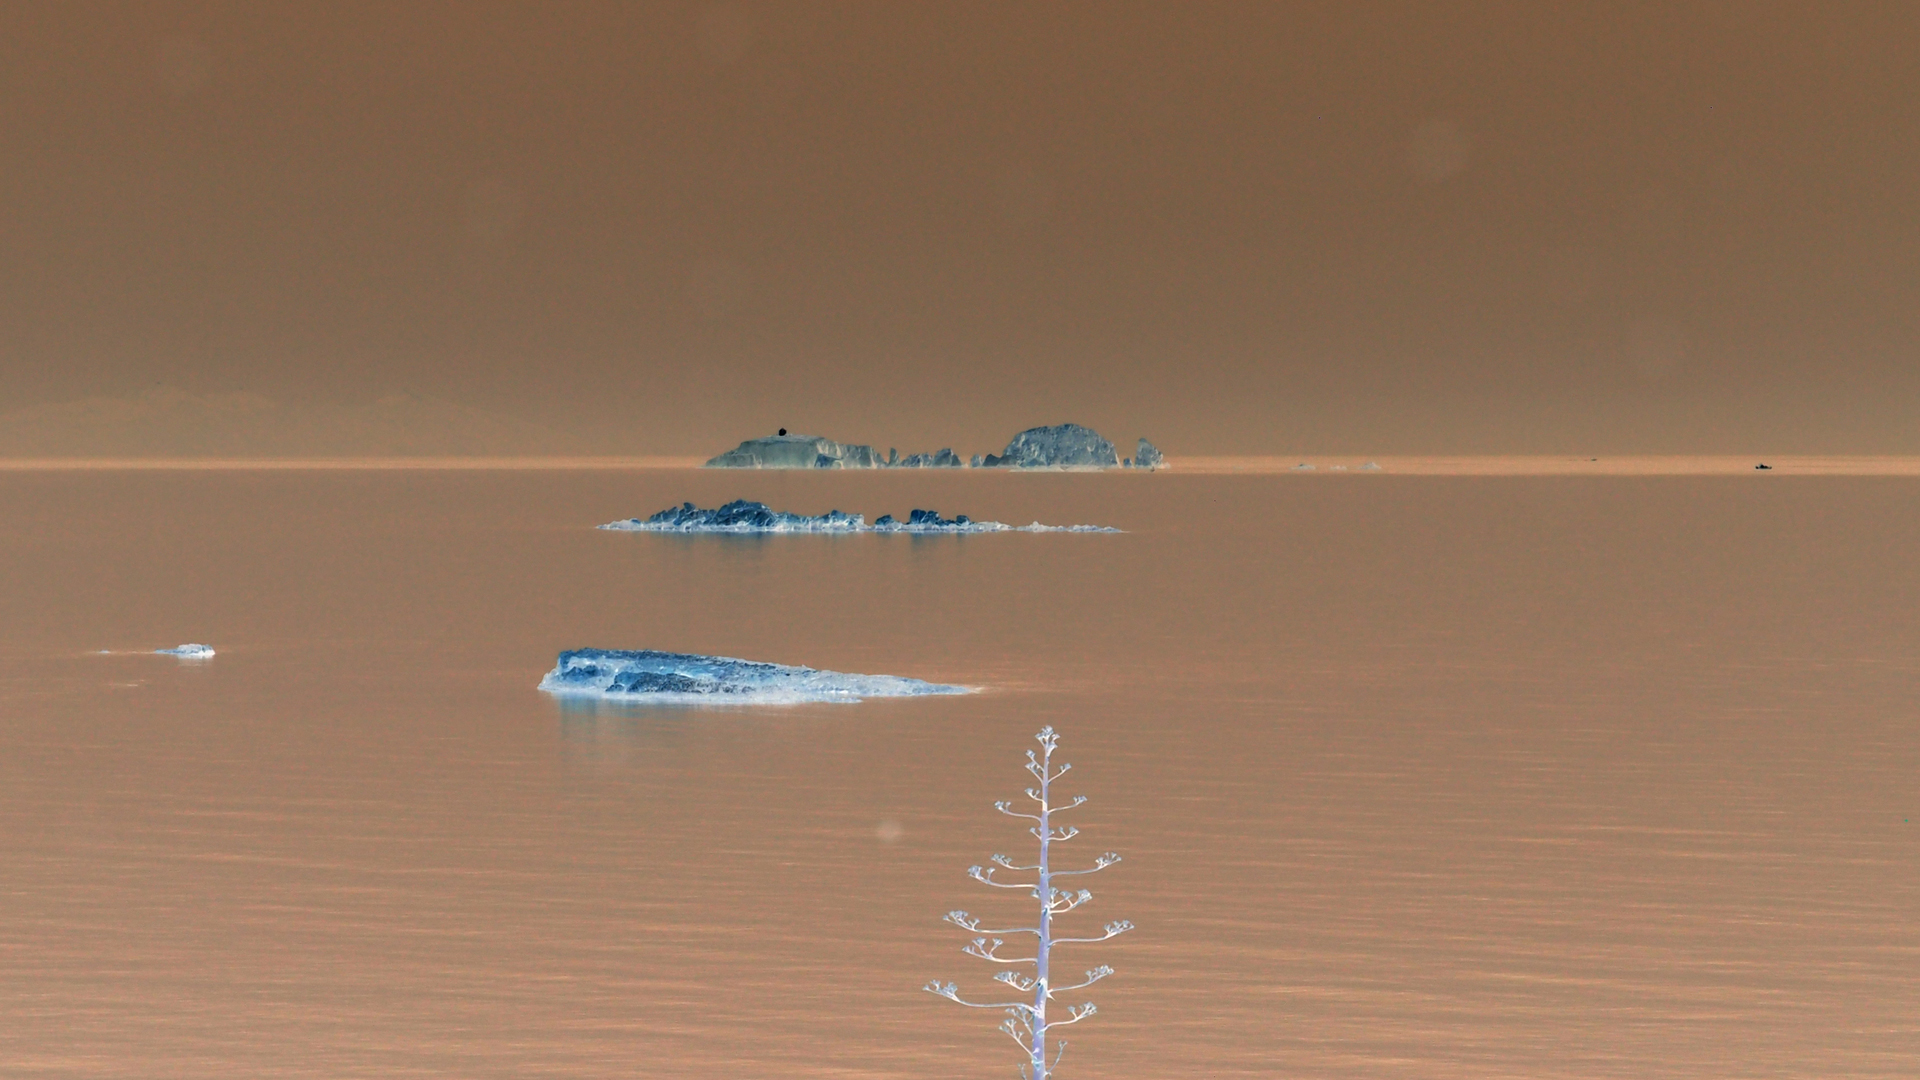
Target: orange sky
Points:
(1236, 228)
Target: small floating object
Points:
(1763, 465)
(189, 651)
(1371, 466)
(1303, 467)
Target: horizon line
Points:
(1265, 464)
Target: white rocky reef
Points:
(189, 651)
(1062, 446)
(741, 516)
(647, 676)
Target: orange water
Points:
(1416, 776)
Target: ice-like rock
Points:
(796, 452)
(1069, 446)
(689, 679)
(1303, 467)
(189, 651)
(1148, 456)
(1371, 466)
(741, 516)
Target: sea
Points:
(1415, 774)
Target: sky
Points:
(1236, 228)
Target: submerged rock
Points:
(1068, 446)
(796, 452)
(1148, 456)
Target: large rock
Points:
(1068, 446)
(945, 459)
(1148, 456)
(796, 452)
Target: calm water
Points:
(1415, 776)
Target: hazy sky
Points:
(1236, 227)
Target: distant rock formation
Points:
(1063, 446)
(1068, 446)
(945, 459)
(796, 452)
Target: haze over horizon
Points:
(1235, 228)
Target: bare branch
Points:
(1003, 805)
(1023, 983)
(1074, 1016)
(952, 993)
(1067, 833)
(1099, 864)
(1093, 976)
(1008, 863)
(979, 947)
(967, 922)
(1078, 800)
(1062, 901)
(1113, 930)
(985, 877)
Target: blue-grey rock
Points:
(945, 459)
(931, 519)
(1068, 446)
(796, 452)
(1148, 456)
(743, 516)
(647, 675)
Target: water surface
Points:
(1416, 776)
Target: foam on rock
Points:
(649, 676)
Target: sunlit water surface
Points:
(1414, 776)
